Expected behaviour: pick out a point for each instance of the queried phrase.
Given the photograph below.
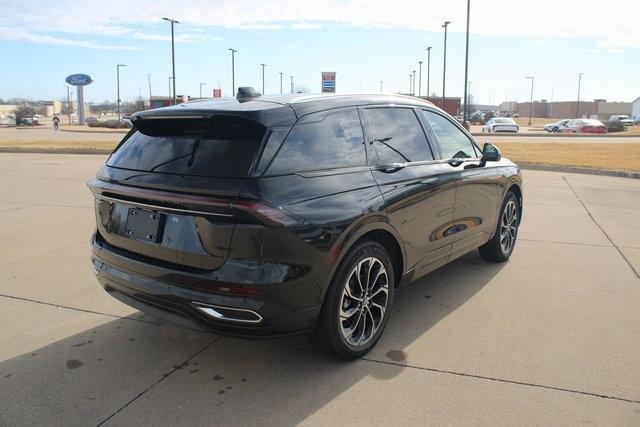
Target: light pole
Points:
(531, 101)
(263, 65)
(202, 84)
(444, 67)
(578, 101)
(149, 80)
(170, 79)
(466, 69)
(410, 82)
(173, 57)
(413, 88)
(291, 84)
(380, 86)
(466, 101)
(118, 84)
(68, 103)
(428, 68)
(233, 71)
(281, 73)
(419, 78)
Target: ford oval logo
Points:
(79, 80)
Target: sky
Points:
(365, 42)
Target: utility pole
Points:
(291, 84)
(118, 84)
(419, 78)
(578, 101)
(173, 57)
(428, 69)
(68, 103)
(531, 101)
(444, 67)
(466, 70)
(202, 84)
(233, 71)
(281, 73)
(149, 81)
(263, 65)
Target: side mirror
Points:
(491, 153)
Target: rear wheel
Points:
(500, 247)
(358, 303)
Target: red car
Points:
(584, 126)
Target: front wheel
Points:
(501, 245)
(358, 303)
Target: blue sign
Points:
(78, 80)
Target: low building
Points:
(165, 101)
(452, 105)
(597, 109)
(635, 108)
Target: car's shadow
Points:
(166, 375)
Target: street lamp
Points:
(291, 84)
(263, 65)
(428, 68)
(419, 78)
(413, 88)
(173, 57)
(444, 67)
(281, 73)
(578, 101)
(233, 71)
(466, 70)
(202, 84)
(68, 103)
(531, 101)
(410, 82)
(170, 79)
(118, 84)
(380, 86)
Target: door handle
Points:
(392, 167)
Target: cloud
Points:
(8, 33)
(527, 18)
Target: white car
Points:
(501, 124)
(628, 121)
(557, 126)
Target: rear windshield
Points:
(222, 146)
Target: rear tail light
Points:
(271, 216)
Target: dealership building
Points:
(597, 109)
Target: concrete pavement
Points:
(551, 337)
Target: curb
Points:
(118, 131)
(55, 151)
(579, 169)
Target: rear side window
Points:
(322, 141)
(397, 136)
(222, 146)
(452, 141)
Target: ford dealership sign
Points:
(79, 80)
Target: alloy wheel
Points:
(509, 226)
(364, 301)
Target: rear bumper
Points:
(252, 310)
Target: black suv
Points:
(268, 216)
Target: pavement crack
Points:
(600, 227)
(162, 378)
(506, 381)
(66, 307)
(564, 243)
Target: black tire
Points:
(494, 250)
(328, 333)
(555, 130)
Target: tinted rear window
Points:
(222, 147)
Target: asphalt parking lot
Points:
(549, 338)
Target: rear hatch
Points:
(167, 191)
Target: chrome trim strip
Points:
(210, 310)
(145, 205)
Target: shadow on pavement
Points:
(181, 376)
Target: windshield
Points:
(222, 147)
(504, 120)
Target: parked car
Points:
(584, 126)
(628, 121)
(557, 126)
(273, 216)
(615, 126)
(500, 124)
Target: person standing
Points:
(56, 122)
